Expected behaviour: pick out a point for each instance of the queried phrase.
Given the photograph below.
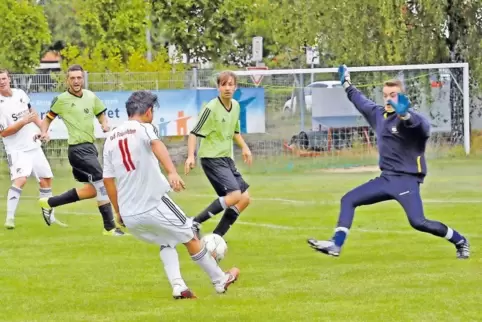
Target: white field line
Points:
(292, 228)
(308, 202)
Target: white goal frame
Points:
(463, 66)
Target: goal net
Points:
(309, 122)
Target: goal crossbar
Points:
(463, 66)
(352, 69)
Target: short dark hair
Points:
(75, 68)
(4, 71)
(140, 102)
(223, 77)
(394, 83)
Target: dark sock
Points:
(340, 236)
(107, 216)
(67, 197)
(214, 208)
(229, 218)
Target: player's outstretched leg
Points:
(88, 191)
(221, 280)
(231, 215)
(413, 206)
(170, 259)
(366, 194)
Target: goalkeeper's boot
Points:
(10, 223)
(196, 229)
(181, 292)
(229, 278)
(463, 249)
(327, 247)
(47, 211)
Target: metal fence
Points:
(288, 140)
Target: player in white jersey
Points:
(20, 129)
(138, 192)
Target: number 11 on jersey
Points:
(126, 155)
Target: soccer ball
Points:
(215, 245)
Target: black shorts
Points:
(85, 164)
(223, 175)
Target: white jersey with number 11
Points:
(129, 159)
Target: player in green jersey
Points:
(218, 126)
(78, 108)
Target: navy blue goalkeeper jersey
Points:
(401, 144)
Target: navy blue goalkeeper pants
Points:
(403, 188)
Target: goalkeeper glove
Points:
(344, 76)
(402, 106)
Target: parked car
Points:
(290, 107)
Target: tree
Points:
(108, 71)
(113, 25)
(63, 24)
(24, 33)
(203, 30)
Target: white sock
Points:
(46, 193)
(13, 197)
(208, 264)
(170, 259)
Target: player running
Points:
(218, 126)
(19, 128)
(78, 109)
(402, 136)
(138, 191)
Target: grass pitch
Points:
(387, 271)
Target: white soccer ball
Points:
(216, 246)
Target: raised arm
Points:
(365, 106)
(416, 122)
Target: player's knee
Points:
(101, 191)
(233, 197)
(19, 182)
(245, 199)
(45, 182)
(420, 224)
(349, 199)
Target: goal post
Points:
(463, 66)
(328, 129)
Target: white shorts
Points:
(27, 163)
(165, 225)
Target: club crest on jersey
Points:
(394, 129)
(86, 110)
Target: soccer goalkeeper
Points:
(402, 136)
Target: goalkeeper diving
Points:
(402, 136)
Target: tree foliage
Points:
(202, 29)
(63, 24)
(113, 25)
(23, 34)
